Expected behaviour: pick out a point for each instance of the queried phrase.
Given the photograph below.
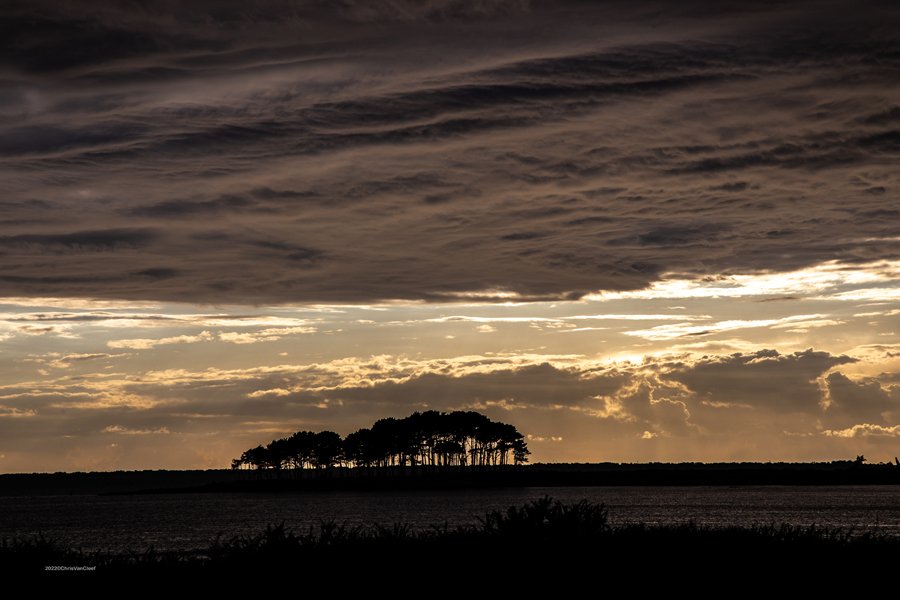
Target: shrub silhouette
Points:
(555, 536)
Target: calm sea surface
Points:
(182, 521)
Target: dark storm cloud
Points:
(659, 393)
(357, 151)
(103, 239)
(863, 401)
(764, 379)
(177, 209)
(536, 386)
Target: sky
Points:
(638, 231)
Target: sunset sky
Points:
(636, 230)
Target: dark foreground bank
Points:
(542, 540)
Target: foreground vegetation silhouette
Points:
(534, 540)
(430, 438)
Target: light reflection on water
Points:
(181, 521)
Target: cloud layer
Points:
(441, 150)
(636, 230)
(712, 407)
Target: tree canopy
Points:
(432, 438)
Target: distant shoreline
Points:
(536, 475)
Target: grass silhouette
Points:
(551, 536)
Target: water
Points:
(184, 521)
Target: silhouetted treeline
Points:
(838, 472)
(430, 438)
